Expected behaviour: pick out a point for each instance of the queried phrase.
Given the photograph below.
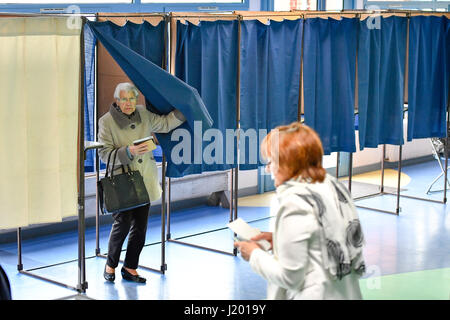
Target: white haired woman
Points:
(124, 123)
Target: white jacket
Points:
(295, 268)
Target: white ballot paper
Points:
(245, 232)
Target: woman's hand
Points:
(139, 149)
(246, 248)
(264, 236)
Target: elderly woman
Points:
(124, 123)
(317, 241)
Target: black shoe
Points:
(109, 276)
(130, 277)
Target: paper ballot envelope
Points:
(245, 232)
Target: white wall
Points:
(412, 149)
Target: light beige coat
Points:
(118, 131)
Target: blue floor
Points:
(416, 240)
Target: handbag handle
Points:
(121, 165)
(114, 161)
(109, 159)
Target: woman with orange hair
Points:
(317, 242)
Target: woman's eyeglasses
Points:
(126, 100)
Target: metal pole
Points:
(397, 210)
(169, 191)
(82, 284)
(446, 146)
(300, 95)
(97, 207)
(350, 167)
(165, 205)
(231, 194)
(19, 249)
(238, 126)
(382, 168)
(163, 215)
(355, 104)
(97, 158)
(170, 67)
(338, 159)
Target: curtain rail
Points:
(235, 16)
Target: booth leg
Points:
(236, 188)
(338, 159)
(382, 168)
(397, 210)
(350, 172)
(231, 195)
(168, 236)
(97, 207)
(163, 217)
(19, 249)
(446, 148)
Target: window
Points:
(406, 1)
(424, 5)
(333, 5)
(44, 2)
(286, 5)
(191, 1)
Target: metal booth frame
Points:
(163, 266)
(405, 109)
(82, 284)
(234, 171)
(239, 16)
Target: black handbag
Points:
(123, 191)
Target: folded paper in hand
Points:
(245, 232)
(149, 140)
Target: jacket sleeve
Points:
(288, 268)
(166, 123)
(105, 137)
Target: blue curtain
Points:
(329, 60)
(428, 77)
(269, 80)
(143, 38)
(381, 79)
(165, 91)
(206, 59)
(447, 40)
(447, 37)
(89, 95)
